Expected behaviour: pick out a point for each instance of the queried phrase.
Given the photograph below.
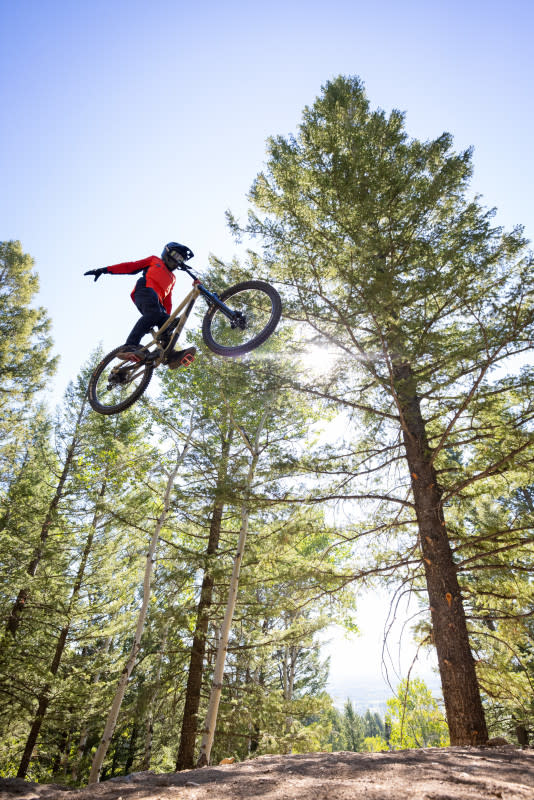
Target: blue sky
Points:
(129, 123)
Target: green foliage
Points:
(25, 345)
(353, 727)
(374, 744)
(373, 723)
(415, 717)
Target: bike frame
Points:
(179, 316)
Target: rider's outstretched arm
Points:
(126, 268)
(130, 267)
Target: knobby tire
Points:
(116, 408)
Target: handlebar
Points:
(189, 271)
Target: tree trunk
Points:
(131, 748)
(147, 754)
(13, 621)
(62, 755)
(82, 741)
(111, 722)
(186, 751)
(290, 656)
(44, 702)
(216, 687)
(208, 732)
(461, 693)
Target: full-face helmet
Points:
(175, 254)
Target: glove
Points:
(97, 272)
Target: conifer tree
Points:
(290, 589)
(186, 750)
(353, 727)
(255, 446)
(385, 256)
(78, 410)
(495, 562)
(229, 398)
(97, 458)
(44, 696)
(171, 474)
(25, 345)
(271, 425)
(35, 597)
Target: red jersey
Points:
(155, 276)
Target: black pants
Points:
(152, 312)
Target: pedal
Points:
(187, 359)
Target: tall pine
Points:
(25, 345)
(385, 256)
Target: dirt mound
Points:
(453, 773)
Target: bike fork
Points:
(236, 317)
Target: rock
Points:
(498, 741)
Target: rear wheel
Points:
(257, 309)
(116, 384)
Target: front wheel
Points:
(257, 308)
(116, 384)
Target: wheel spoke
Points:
(117, 383)
(256, 309)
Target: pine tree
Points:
(93, 468)
(353, 726)
(229, 398)
(185, 758)
(290, 590)
(384, 256)
(495, 563)
(44, 696)
(25, 345)
(171, 475)
(271, 425)
(78, 410)
(373, 724)
(255, 446)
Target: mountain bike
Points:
(237, 321)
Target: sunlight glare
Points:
(317, 361)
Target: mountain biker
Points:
(152, 295)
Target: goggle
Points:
(176, 256)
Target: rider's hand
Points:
(97, 272)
